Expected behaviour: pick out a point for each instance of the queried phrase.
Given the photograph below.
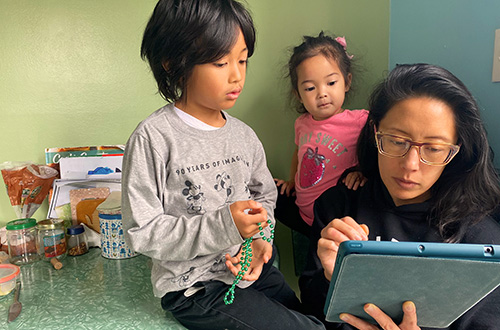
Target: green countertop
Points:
(89, 292)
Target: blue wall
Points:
(455, 34)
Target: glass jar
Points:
(77, 241)
(52, 239)
(22, 238)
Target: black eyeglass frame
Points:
(454, 149)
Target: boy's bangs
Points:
(216, 42)
(220, 34)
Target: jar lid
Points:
(21, 224)
(112, 203)
(76, 230)
(50, 224)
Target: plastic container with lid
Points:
(113, 244)
(52, 239)
(8, 275)
(22, 239)
(77, 241)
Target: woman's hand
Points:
(385, 322)
(337, 231)
(262, 252)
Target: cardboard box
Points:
(54, 155)
(103, 167)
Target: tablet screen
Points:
(443, 280)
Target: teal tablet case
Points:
(441, 288)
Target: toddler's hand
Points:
(287, 187)
(247, 215)
(354, 180)
(262, 252)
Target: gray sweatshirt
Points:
(177, 185)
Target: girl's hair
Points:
(183, 33)
(468, 189)
(313, 46)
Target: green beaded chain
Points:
(246, 259)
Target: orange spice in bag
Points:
(27, 185)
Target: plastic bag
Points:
(27, 185)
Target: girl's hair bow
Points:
(343, 43)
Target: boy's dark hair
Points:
(313, 46)
(183, 33)
(468, 189)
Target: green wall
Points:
(71, 74)
(458, 35)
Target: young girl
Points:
(195, 181)
(431, 178)
(326, 133)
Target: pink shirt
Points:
(325, 149)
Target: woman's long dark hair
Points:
(468, 189)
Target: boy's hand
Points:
(262, 252)
(285, 187)
(354, 180)
(247, 215)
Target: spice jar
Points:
(77, 241)
(52, 238)
(22, 238)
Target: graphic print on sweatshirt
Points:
(224, 183)
(312, 168)
(183, 279)
(219, 265)
(194, 198)
(211, 184)
(247, 190)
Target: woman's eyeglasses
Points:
(437, 154)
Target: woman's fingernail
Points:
(410, 306)
(344, 317)
(369, 307)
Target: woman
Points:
(430, 177)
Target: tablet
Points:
(443, 280)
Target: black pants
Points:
(287, 212)
(269, 303)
